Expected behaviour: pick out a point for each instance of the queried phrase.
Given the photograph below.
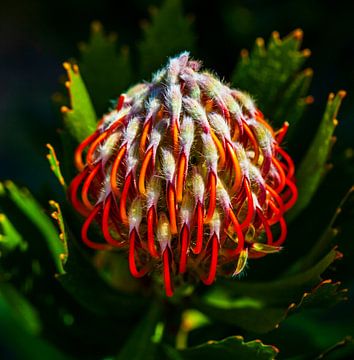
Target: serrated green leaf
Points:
(106, 71)
(268, 73)
(327, 293)
(80, 119)
(10, 238)
(294, 101)
(170, 32)
(255, 316)
(260, 307)
(140, 345)
(326, 240)
(255, 320)
(281, 291)
(54, 165)
(26, 203)
(343, 349)
(21, 309)
(233, 347)
(312, 168)
(58, 216)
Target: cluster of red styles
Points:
(186, 175)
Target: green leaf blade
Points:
(10, 238)
(107, 71)
(80, 119)
(55, 165)
(268, 72)
(27, 204)
(260, 307)
(312, 168)
(229, 348)
(170, 32)
(140, 345)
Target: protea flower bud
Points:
(185, 173)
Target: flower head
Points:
(185, 173)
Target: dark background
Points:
(38, 35)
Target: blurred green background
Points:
(37, 36)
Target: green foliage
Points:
(9, 237)
(31, 209)
(277, 64)
(18, 330)
(169, 33)
(107, 72)
(81, 280)
(140, 345)
(20, 308)
(80, 120)
(226, 349)
(54, 165)
(312, 168)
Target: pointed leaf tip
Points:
(55, 165)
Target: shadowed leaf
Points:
(326, 240)
(26, 203)
(261, 307)
(82, 280)
(269, 74)
(170, 32)
(233, 347)
(20, 308)
(10, 238)
(140, 345)
(19, 324)
(107, 71)
(283, 290)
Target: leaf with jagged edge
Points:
(312, 167)
(270, 75)
(29, 207)
(343, 349)
(55, 165)
(280, 291)
(107, 72)
(58, 216)
(326, 293)
(80, 119)
(10, 238)
(294, 102)
(260, 307)
(326, 240)
(233, 347)
(144, 336)
(169, 33)
(254, 316)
